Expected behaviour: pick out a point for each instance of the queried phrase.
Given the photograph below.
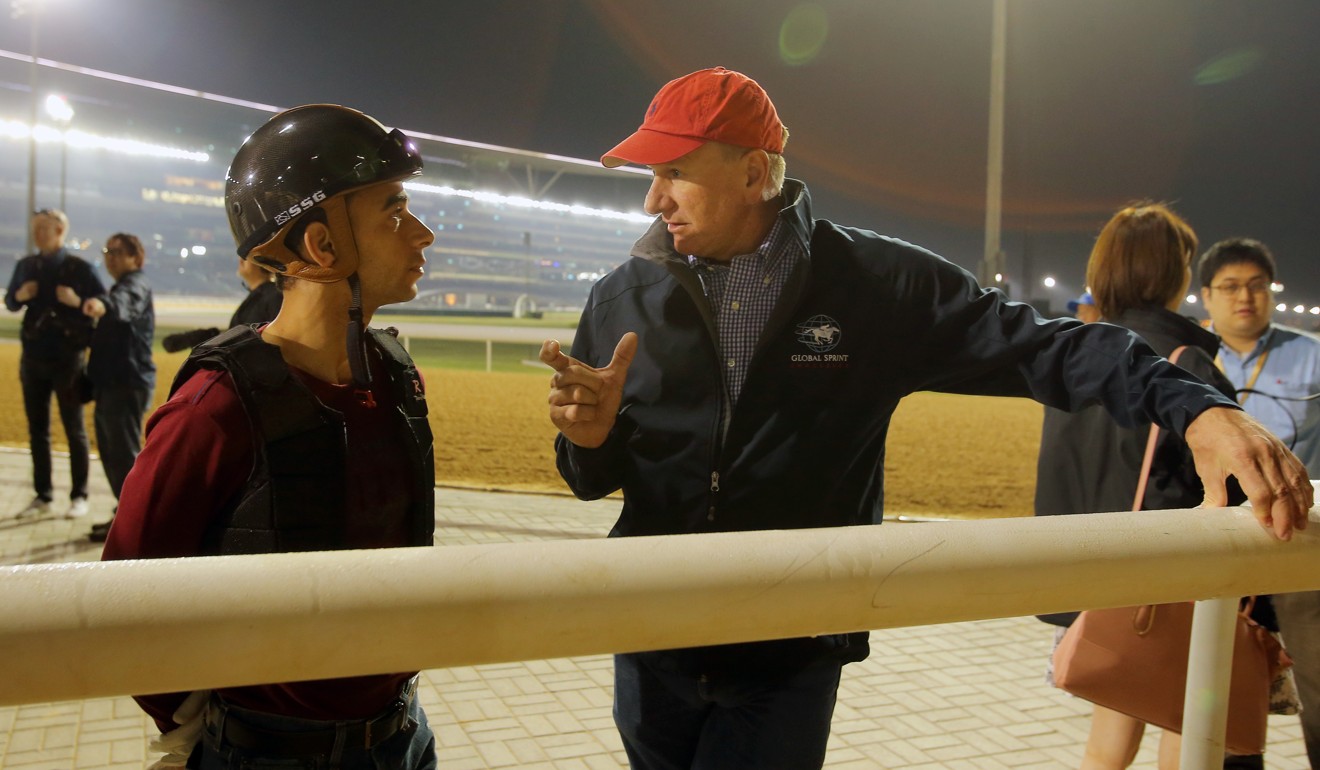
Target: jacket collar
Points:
(1161, 320)
(797, 211)
(657, 244)
(54, 258)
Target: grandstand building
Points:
(515, 230)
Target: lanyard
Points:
(1251, 381)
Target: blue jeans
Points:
(408, 749)
(674, 721)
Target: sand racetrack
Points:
(955, 456)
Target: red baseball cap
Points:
(711, 105)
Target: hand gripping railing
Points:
(82, 630)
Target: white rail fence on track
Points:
(191, 311)
(81, 630)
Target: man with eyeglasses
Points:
(1272, 363)
(121, 370)
(1271, 366)
(51, 285)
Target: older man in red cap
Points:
(740, 371)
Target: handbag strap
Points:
(1150, 447)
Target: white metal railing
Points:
(81, 630)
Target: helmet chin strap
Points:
(357, 337)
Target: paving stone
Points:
(497, 754)
(128, 751)
(526, 751)
(602, 762)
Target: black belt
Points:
(291, 744)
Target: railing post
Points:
(489, 356)
(1209, 673)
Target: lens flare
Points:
(803, 34)
(1229, 66)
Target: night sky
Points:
(1209, 105)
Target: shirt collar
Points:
(773, 247)
(1262, 343)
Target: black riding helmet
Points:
(308, 158)
(301, 159)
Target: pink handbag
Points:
(1134, 659)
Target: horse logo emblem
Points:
(819, 333)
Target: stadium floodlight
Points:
(521, 202)
(58, 108)
(13, 129)
(1280, 307)
(133, 147)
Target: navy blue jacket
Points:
(865, 321)
(121, 344)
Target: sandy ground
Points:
(948, 455)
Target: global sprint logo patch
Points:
(819, 333)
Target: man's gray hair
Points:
(55, 214)
(774, 184)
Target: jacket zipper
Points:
(777, 320)
(714, 490)
(695, 287)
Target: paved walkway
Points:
(966, 695)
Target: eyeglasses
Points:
(114, 252)
(1232, 288)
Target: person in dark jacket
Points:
(51, 285)
(1139, 272)
(122, 372)
(260, 306)
(263, 299)
(740, 372)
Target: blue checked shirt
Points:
(742, 293)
